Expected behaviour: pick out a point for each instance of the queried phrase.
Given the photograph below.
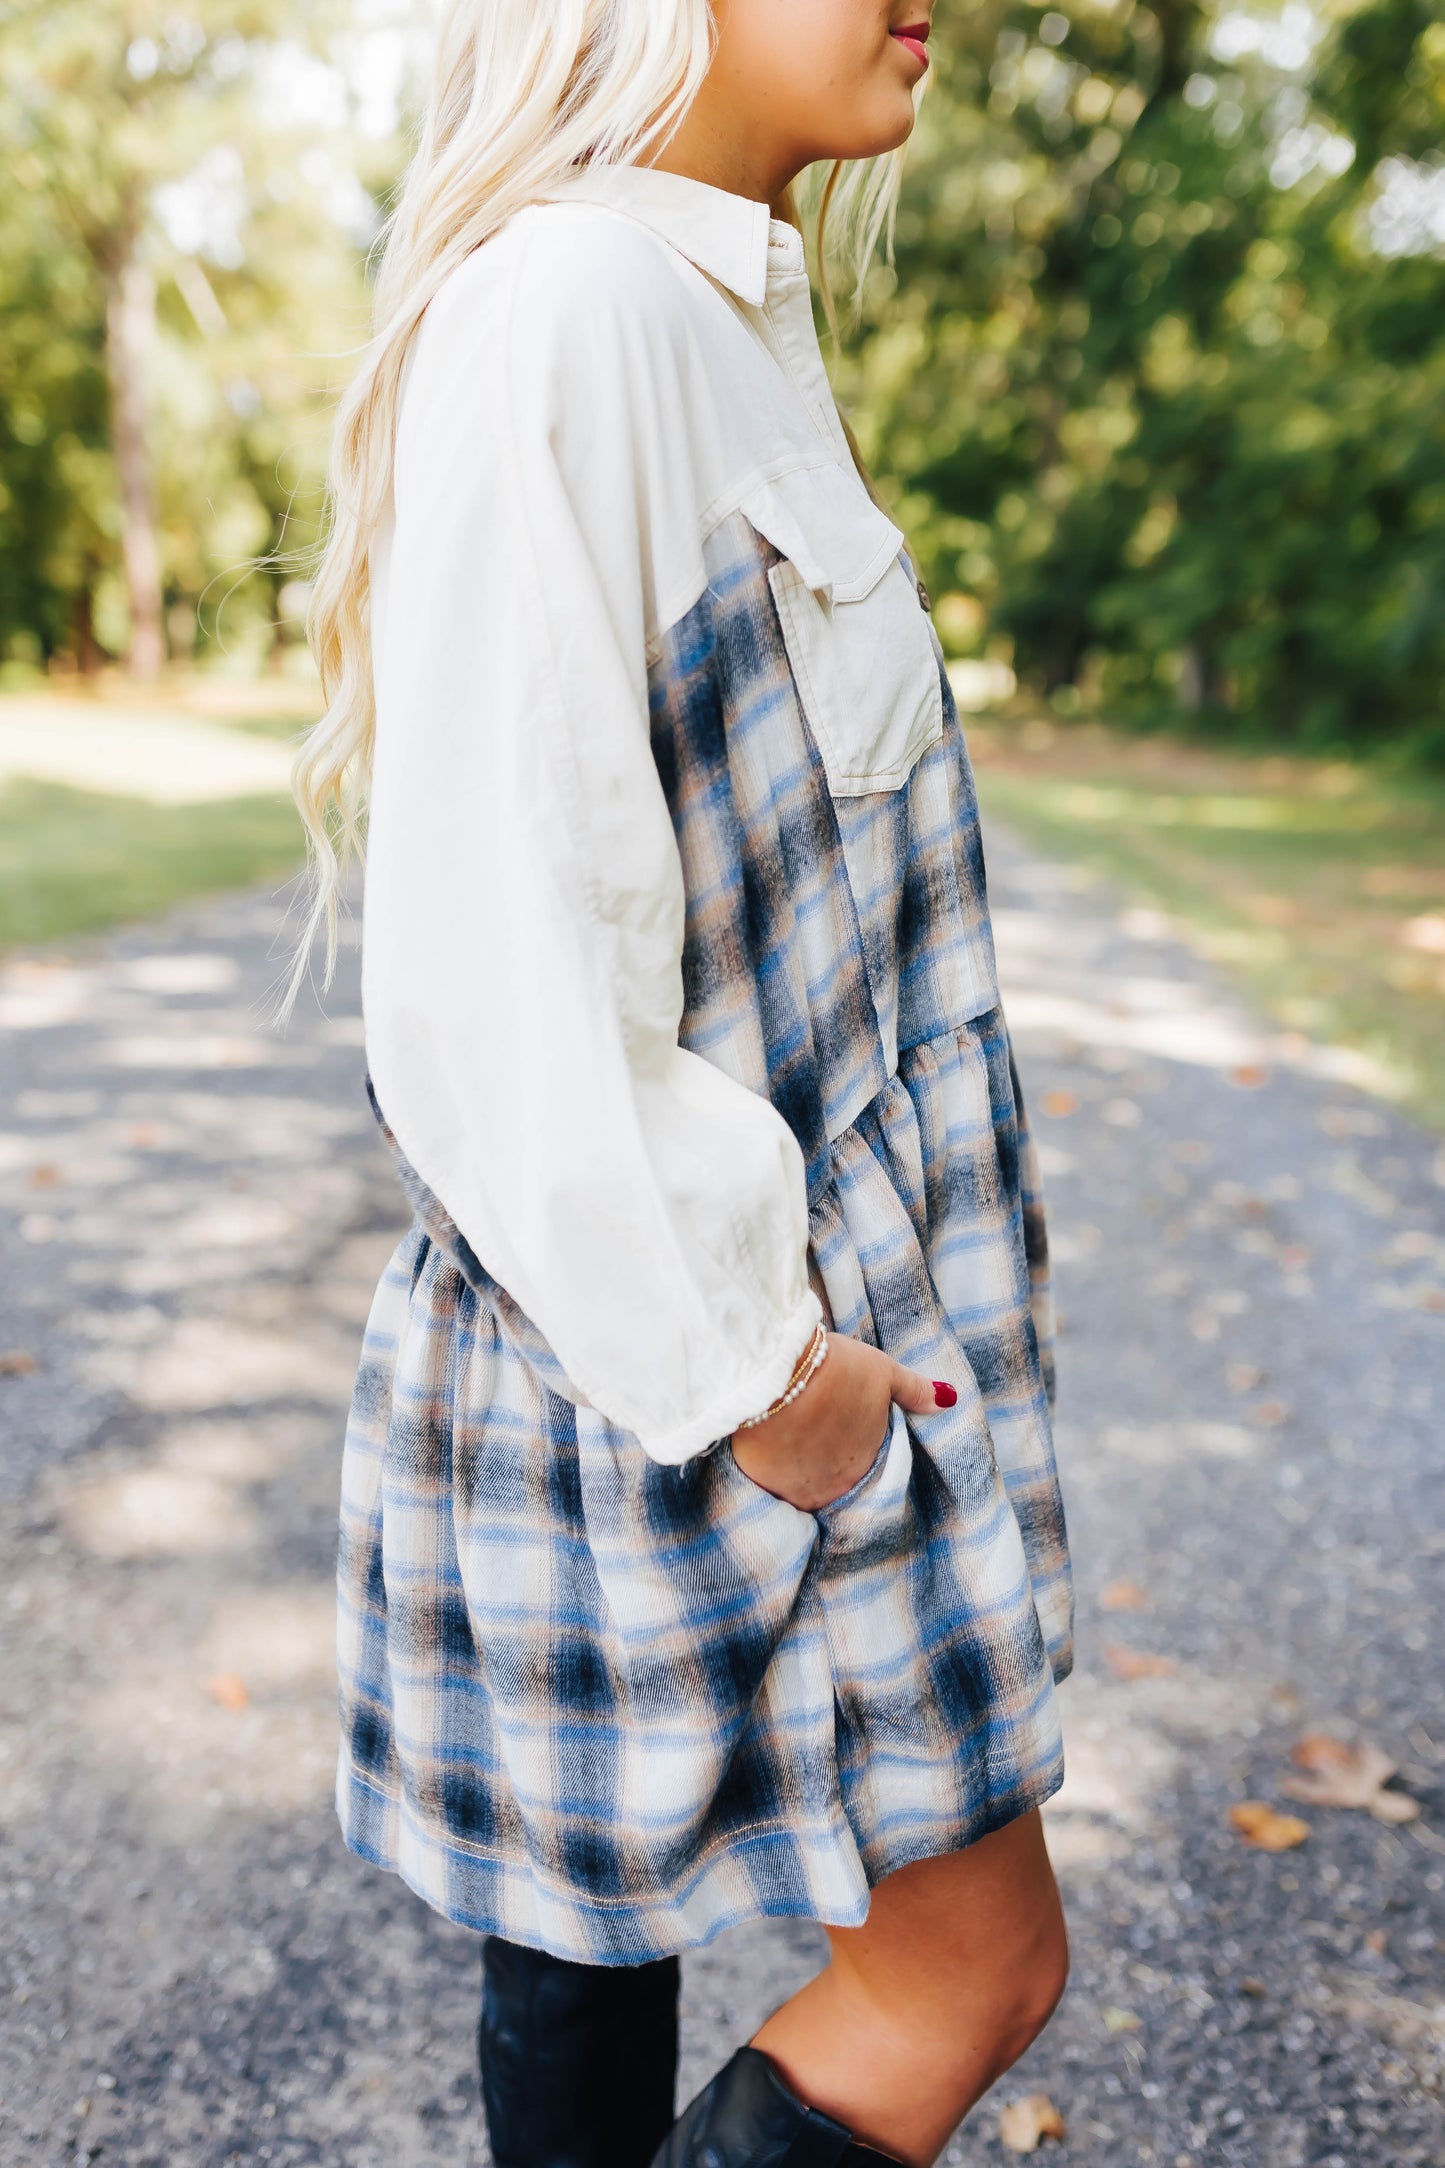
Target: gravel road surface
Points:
(1251, 1269)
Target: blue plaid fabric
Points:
(609, 1707)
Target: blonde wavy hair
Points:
(524, 91)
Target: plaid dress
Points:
(607, 1706)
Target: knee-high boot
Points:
(579, 2062)
(749, 2117)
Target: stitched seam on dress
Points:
(723, 505)
(778, 469)
(365, 1781)
(522, 1861)
(714, 513)
(949, 1036)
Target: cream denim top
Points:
(621, 368)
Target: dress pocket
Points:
(859, 644)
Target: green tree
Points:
(1164, 414)
(172, 270)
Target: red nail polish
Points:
(944, 1396)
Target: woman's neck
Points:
(712, 146)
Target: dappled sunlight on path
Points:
(164, 759)
(1250, 1262)
(1251, 1266)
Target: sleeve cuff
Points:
(751, 1394)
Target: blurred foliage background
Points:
(1161, 377)
(1156, 384)
(190, 192)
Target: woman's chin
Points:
(885, 129)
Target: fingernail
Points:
(944, 1396)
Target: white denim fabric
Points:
(620, 370)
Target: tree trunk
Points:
(130, 317)
(1202, 684)
(88, 656)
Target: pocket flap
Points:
(826, 524)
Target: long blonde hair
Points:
(524, 91)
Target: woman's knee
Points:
(957, 1970)
(965, 2015)
(1033, 1990)
(998, 2007)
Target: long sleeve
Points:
(524, 904)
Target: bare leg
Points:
(957, 1968)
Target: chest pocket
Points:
(858, 641)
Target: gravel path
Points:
(192, 1214)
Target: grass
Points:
(74, 861)
(75, 857)
(1320, 885)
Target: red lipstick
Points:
(914, 37)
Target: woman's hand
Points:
(818, 1446)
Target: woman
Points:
(674, 1589)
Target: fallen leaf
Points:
(229, 1690)
(1334, 1774)
(1137, 1663)
(1249, 1075)
(1060, 1103)
(1260, 1825)
(1269, 1414)
(1255, 1989)
(1433, 1298)
(1375, 1941)
(1319, 1752)
(1023, 2124)
(1124, 1596)
(17, 1364)
(1405, 2024)
(43, 1176)
(1121, 2021)
(1244, 1377)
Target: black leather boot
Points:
(579, 2062)
(750, 2118)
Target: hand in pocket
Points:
(817, 1447)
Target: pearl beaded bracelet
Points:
(809, 1363)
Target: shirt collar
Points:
(732, 239)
